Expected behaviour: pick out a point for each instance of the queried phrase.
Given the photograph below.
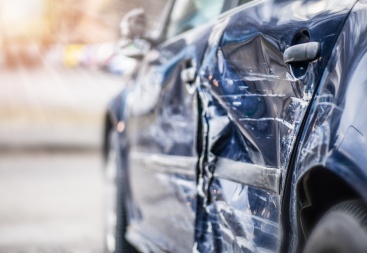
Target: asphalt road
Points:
(51, 202)
(50, 170)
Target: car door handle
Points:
(305, 52)
(188, 75)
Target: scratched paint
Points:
(335, 130)
(254, 105)
(249, 108)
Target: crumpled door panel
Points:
(252, 108)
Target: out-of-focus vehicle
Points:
(103, 53)
(24, 28)
(242, 130)
(86, 58)
(72, 54)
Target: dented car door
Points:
(259, 74)
(162, 129)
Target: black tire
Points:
(115, 214)
(343, 229)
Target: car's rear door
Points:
(162, 131)
(254, 104)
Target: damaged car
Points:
(241, 130)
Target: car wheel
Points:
(343, 229)
(115, 213)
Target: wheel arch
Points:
(108, 125)
(319, 189)
(329, 163)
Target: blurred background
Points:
(59, 67)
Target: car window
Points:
(188, 14)
(244, 1)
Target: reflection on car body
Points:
(269, 148)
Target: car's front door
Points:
(254, 105)
(162, 131)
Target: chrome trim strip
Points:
(170, 164)
(248, 174)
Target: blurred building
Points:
(26, 28)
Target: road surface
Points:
(51, 182)
(51, 202)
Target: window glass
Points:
(188, 14)
(244, 1)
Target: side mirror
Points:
(135, 49)
(134, 41)
(133, 25)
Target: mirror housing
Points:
(133, 25)
(134, 42)
(135, 49)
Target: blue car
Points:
(242, 129)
